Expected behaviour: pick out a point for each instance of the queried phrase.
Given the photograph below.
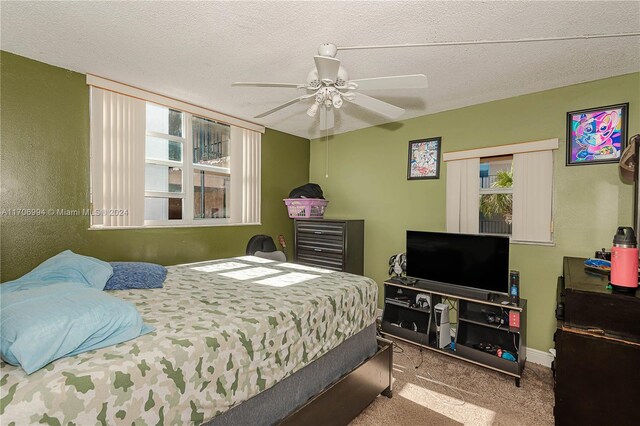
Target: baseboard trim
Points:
(539, 357)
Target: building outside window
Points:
(187, 172)
(211, 162)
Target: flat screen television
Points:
(475, 261)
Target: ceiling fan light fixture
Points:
(343, 76)
(349, 96)
(312, 79)
(336, 100)
(313, 109)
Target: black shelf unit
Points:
(417, 325)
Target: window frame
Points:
(188, 169)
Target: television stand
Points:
(476, 320)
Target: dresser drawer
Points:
(322, 260)
(324, 254)
(321, 229)
(329, 245)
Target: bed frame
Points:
(346, 398)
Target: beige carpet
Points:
(479, 396)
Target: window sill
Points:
(190, 225)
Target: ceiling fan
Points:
(329, 86)
(329, 82)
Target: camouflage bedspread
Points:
(225, 330)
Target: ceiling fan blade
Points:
(327, 119)
(257, 84)
(375, 105)
(327, 67)
(415, 81)
(284, 105)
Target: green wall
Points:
(45, 164)
(368, 168)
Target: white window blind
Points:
(245, 175)
(117, 159)
(251, 155)
(532, 196)
(463, 196)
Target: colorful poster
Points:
(596, 135)
(424, 159)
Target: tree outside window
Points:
(496, 195)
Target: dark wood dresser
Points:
(330, 243)
(597, 365)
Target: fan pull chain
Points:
(326, 143)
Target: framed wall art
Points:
(424, 159)
(596, 135)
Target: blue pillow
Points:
(128, 275)
(40, 324)
(67, 267)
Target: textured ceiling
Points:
(195, 50)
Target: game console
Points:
(443, 328)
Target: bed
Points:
(242, 340)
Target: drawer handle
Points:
(317, 250)
(317, 232)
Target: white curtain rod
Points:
(464, 43)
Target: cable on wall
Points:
(507, 41)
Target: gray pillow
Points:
(129, 275)
(272, 255)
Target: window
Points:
(187, 170)
(164, 165)
(496, 195)
(502, 190)
(156, 165)
(211, 164)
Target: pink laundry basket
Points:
(305, 207)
